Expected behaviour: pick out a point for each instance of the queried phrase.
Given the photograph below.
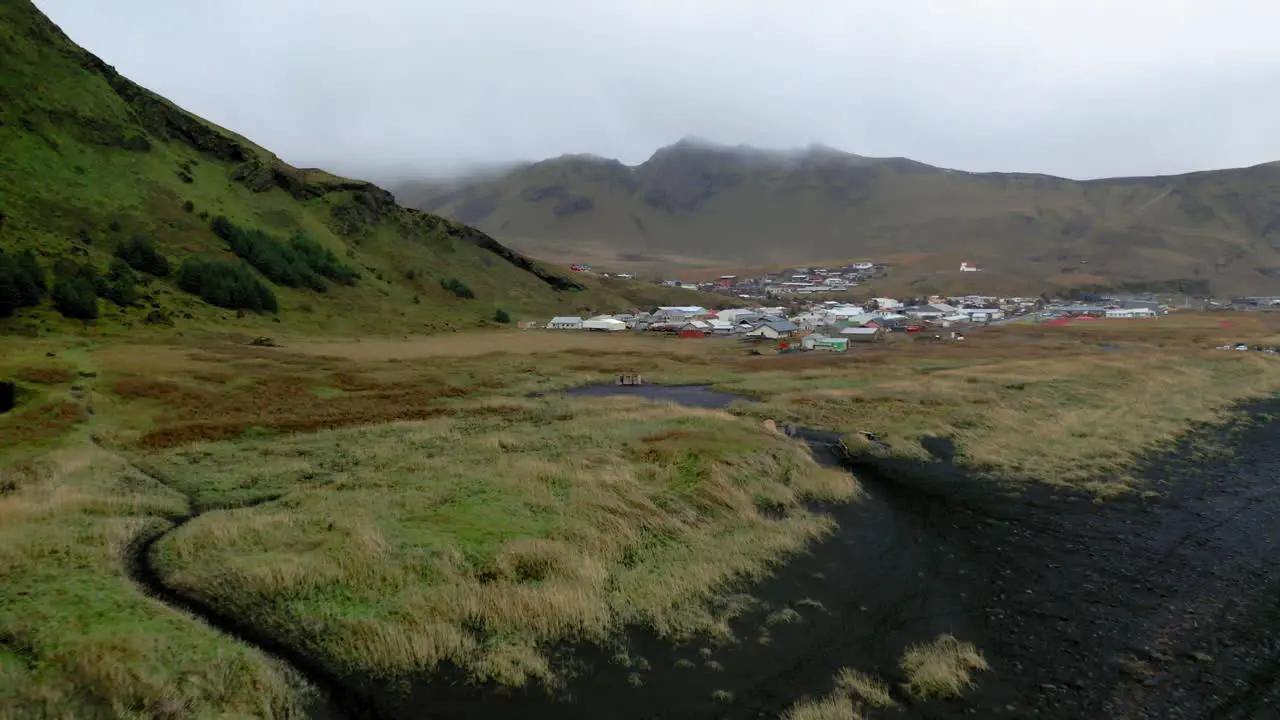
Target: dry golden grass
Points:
(549, 521)
(77, 638)
(868, 690)
(942, 668)
(439, 508)
(1035, 403)
(855, 691)
(833, 707)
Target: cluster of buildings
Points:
(1112, 309)
(832, 325)
(792, 281)
(829, 325)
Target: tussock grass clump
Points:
(482, 538)
(833, 707)
(77, 637)
(942, 668)
(868, 689)
(854, 692)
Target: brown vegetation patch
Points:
(280, 403)
(41, 422)
(45, 376)
(141, 388)
(185, 433)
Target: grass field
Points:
(386, 505)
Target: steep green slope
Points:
(744, 206)
(90, 160)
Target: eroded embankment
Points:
(1157, 607)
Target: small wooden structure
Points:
(629, 379)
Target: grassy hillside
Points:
(699, 204)
(90, 161)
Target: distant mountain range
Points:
(696, 203)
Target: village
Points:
(801, 280)
(832, 325)
(792, 281)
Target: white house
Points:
(565, 323)
(886, 303)
(733, 314)
(924, 312)
(773, 330)
(681, 312)
(862, 334)
(966, 266)
(949, 320)
(1130, 313)
(604, 325)
(810, 320)
(863, 266)
(982, 314)
(700, 325)
(844, 312)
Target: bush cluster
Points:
(122, 284)
(76, 291)
(299, 263)
(141, 255)
(457, 287)
(22, 282)
(323, 261)
(225, 284)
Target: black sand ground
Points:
(1164, 607)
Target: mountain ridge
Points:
(1213, 230)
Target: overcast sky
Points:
(379, 88)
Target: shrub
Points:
(75, 294)
(122, 284)
(141, 255)
(22, 282)
(299, 263)
(225, 284)
(188, 206)
(457, 287)
(501, 316)
(323, 261)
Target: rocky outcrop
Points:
(469, 234)
(163, 119)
